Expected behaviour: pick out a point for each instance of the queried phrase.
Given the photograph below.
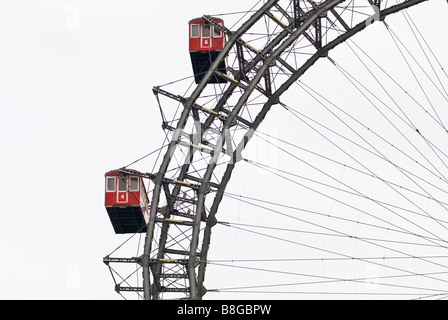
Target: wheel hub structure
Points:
(275, 45)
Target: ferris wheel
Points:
(240, 74)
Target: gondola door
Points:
(122, 190)
(206, 36)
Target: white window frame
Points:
(107, 184)
(202, 29)
(118, 184)
(216, 32)
(199, 31)
(130, 184)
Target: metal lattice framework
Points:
(270, 51)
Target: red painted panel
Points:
(122, 198)
(134, 198)
(110, 199)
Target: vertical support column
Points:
(267, 81)
(318, 29)
(297, 13)
(241, 61)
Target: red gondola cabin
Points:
(126, 201)
(206, 42)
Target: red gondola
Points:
(206, 41)
(126, 201)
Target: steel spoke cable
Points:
(357, 193)
(397, 41)
(388, 228)
(278, 260)
(348, 256)
(341, 293)
(176, 81)
(379, 245)
(145, 156)
(328, 278)
(289, 273)
(352, 80)
(327, 234)
(332, 230)
(233, 13)
(368, 281)
(123, 281)
(123, 243)
(315, 94)
(406, 272)
(414, 29)
(444, 94)
(354, 192)
(369, 70)
(363, 281)
(432, 145)
(347, 166)
(326, 215)
(441, 123)
(428, 46)
(405, 91)
(365, 173)
(439, 296)
(300, 118)
(388, 161)
(247, 12)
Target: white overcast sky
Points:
(76, 101)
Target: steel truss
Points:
(217, 123)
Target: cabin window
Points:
(122, 184)
(216, 32)
(206, 31)
(195, 31)
(134, 184)
(110, 184)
